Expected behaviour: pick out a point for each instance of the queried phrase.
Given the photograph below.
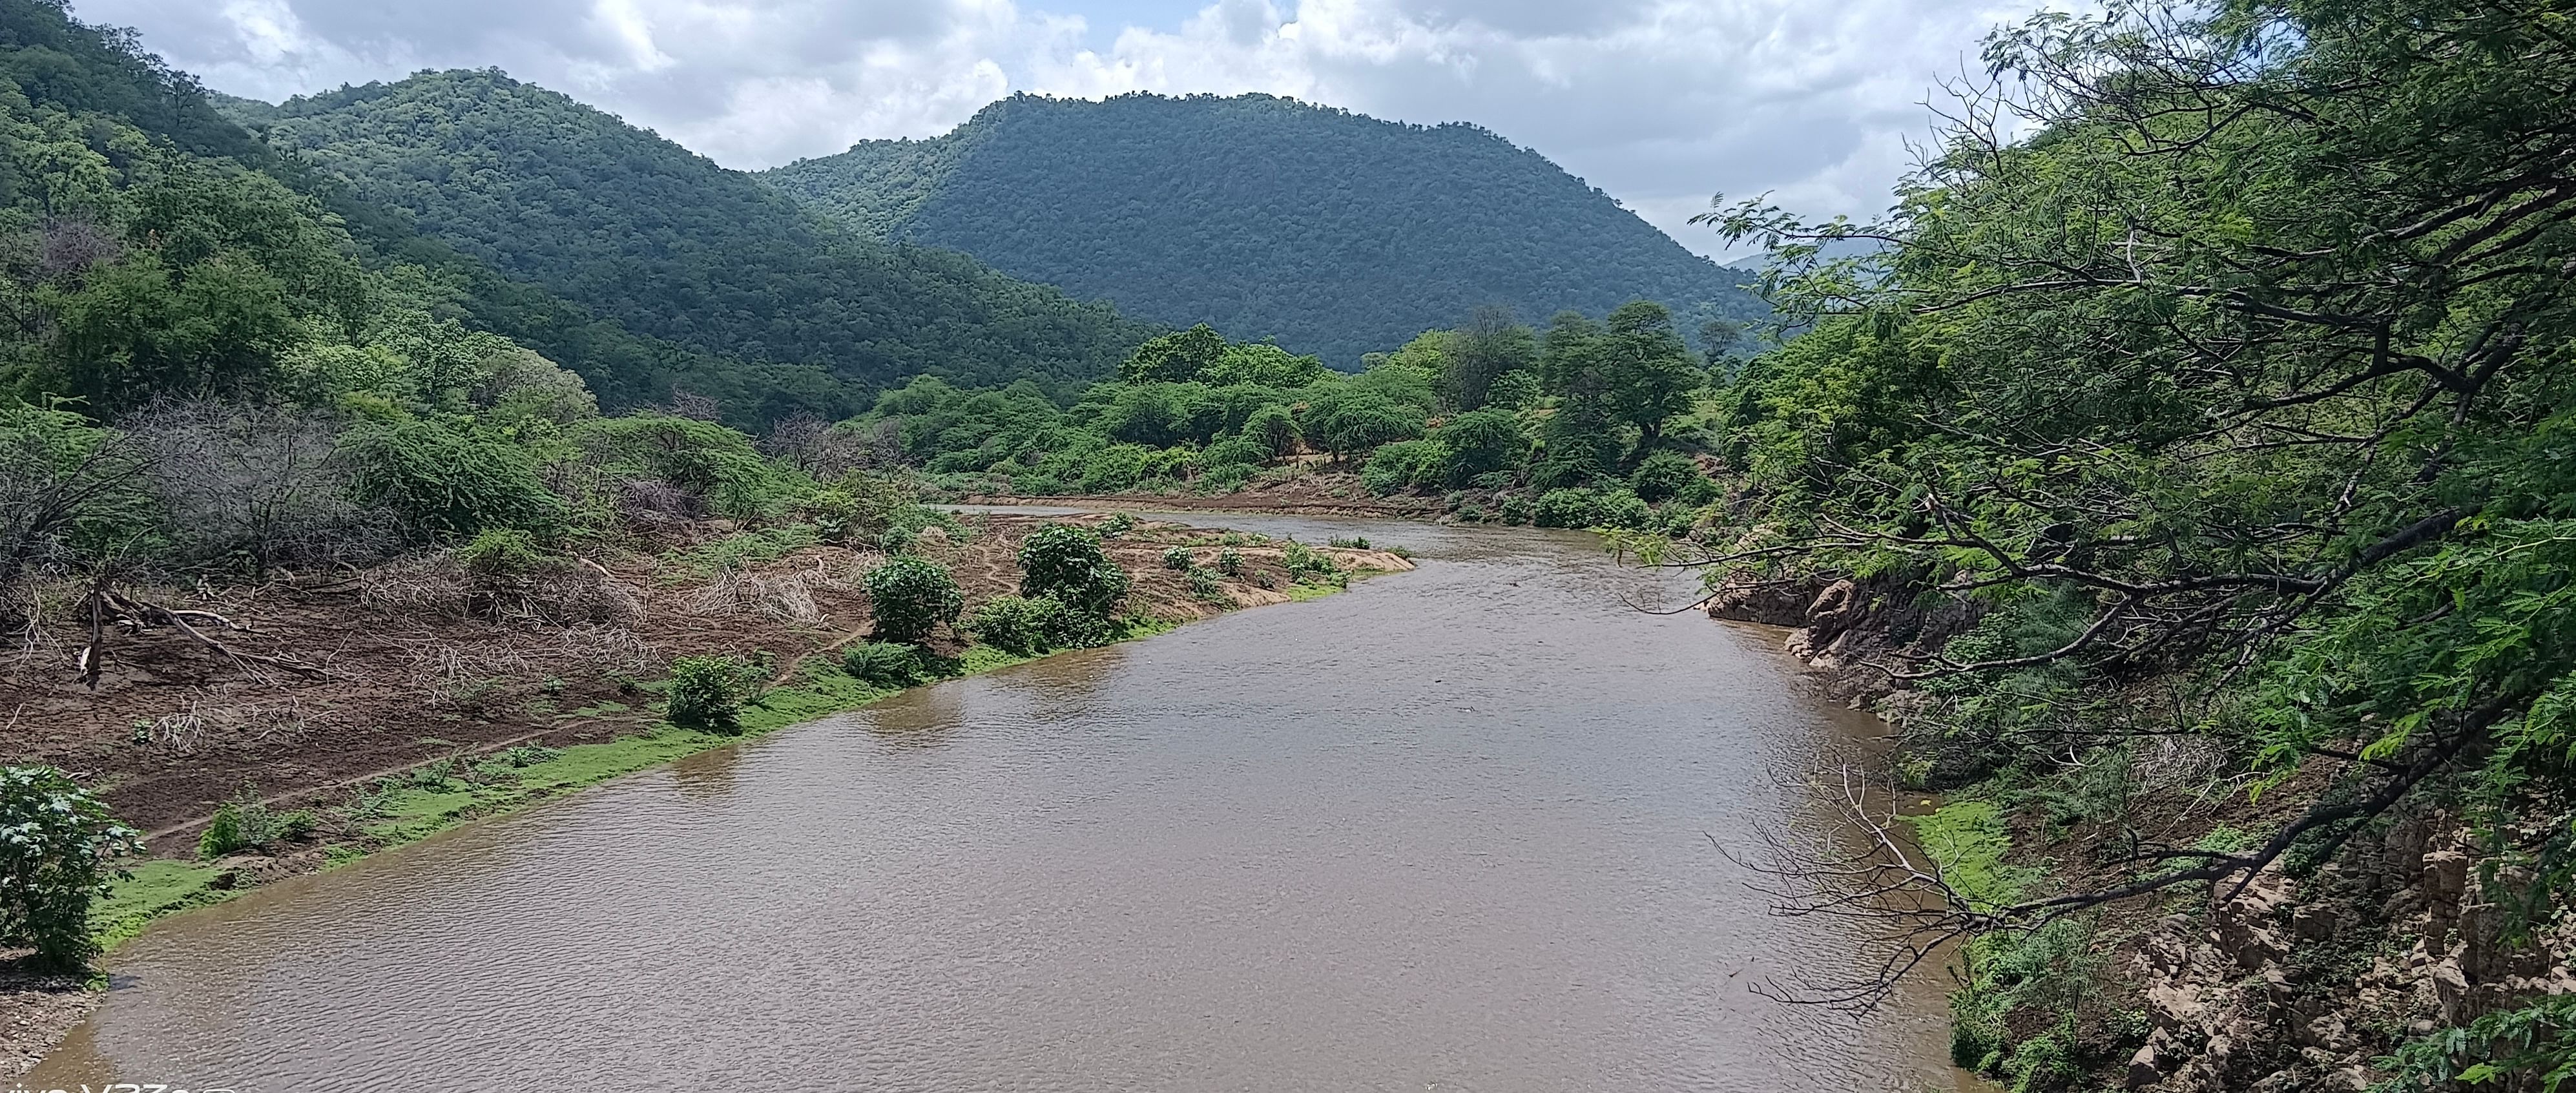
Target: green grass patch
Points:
(742, 549)
(1968, 841)
(154, 888)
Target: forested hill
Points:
(618, 219)
(1331, 232)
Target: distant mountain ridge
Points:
(1332, 232)
(665, 241)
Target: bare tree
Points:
(259, 484)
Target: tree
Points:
(57, 846)
(1354, 422)
(2241, 379)
(1481, 442)
(1274, 427)
(1480, 352)
(1174, 358)
(911, 597)
(1646, 371)
(1065, 563)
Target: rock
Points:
(2446, 876)
(2145, 1068)
(2173, 1006)
(2313, 922)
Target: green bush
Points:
(1619, 508)
(247, 823)
(911, 597)
(1664, 475)
(898, 540)
(1022, 625)
(57, 844)
(707, 692)
(1118, 524)
(1567, 508)
(705, 460)
(1229, 561)
(1405, 463)
(1180, 558)
(504, 552)
(1065, 562)
(883, 663)
(445, 482)
(1203, 585)
(1308, 566)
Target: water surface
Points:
(1450, 830)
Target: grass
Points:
(1967, 840)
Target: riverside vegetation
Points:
(2185, 471)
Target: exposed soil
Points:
(379, 671)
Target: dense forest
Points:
(1266, 218)
(643, 231)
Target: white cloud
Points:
(1658, 102)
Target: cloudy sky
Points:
(1659, 102)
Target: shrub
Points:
(911, 597)
(247, 823)
(1179, 558)
(1117, 525)
(503, 553)
(56, 843)
(1234, 452)
(883, 663)
(1619, 508)
(1516, 510)
(1405, 463)
(1203, 585)
(707, 692)
(1306, 566)
(861, 506)
(1066, 563)
(1229, 561)
(1567, 508)
(1023, 625)
(1664, 475)
(1351, 542)
(898, 540)
(706, 460)
(444, 482)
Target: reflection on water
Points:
(1450, 830)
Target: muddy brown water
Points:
(1450, 830)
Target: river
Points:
(1450, 830)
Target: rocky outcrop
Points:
(2278, 985)
(1858, 633)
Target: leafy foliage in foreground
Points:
(2247, 370)
(56, 843)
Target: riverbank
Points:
(2300, 977)
(434, 702)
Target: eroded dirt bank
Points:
(343, 693)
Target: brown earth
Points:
(324, 682)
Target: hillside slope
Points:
(1332, 232)
(620, 220)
